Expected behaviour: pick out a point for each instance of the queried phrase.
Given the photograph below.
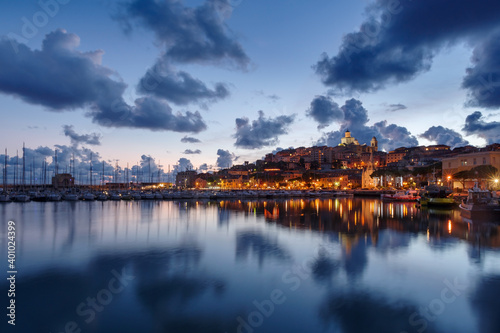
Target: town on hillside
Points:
(352, 165)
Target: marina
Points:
(192, 265)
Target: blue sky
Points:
(245, 77)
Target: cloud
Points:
(261, 132)
(483, 79)
(76, 139)
(444, 136)
(490, 131)
(203, 167)
(189, 34)
(58, 76)
(396, 107)
(324, 111)
(183, 165)
(189, 151)
(355, 119)
(148, 113)
(225, 158)
(61, 78)
(178, 87)
(394, 46)
(188, 139)
(274, 97)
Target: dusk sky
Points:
(226, 81)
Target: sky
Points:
(208, 84)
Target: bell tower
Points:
(374, 144)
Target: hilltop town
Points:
(353, 165)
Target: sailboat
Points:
(89, 196)
(4, 196)
(23, 197)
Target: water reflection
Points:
(342, 265)
(260, 246)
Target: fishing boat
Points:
(410, 195)
(481, 204)
(437, 196)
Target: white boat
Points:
(114, 196)
(410, 195)
(22, 197)
(135, 195)
(481, 204)
(54, 196)
(88, 196)
(102, 196)
(147, 196)
(4, 197)
(71, 197)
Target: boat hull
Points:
(475, 212)
(441, 202)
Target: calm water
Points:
(341, 265)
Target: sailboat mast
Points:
(90, 171)
(5, 172)
(24, 167)
(15, 167)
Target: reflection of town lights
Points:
(449, 226)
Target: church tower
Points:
(374, 144)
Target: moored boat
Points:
(480, 204)
(410, 195)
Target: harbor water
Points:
(297, 265)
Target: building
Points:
(63, 180)
(186, 179)
(462, 162)
(348, 139)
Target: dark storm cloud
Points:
(148, 113)
(444, 136)
(490, 131)
(324, 111)
(61, 78)
(189, 34)
(261, 132)
(188, 139)
(58, 76)
(225, 158)
(399, 39)
(483, 78)
(355, 119)
(191, 152)
(76, 139)
(179, 87)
